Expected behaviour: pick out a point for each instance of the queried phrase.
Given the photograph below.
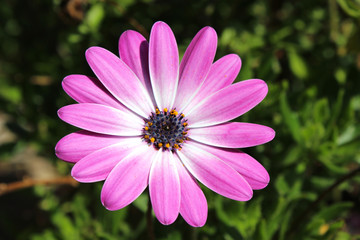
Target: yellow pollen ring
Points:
(165, 110)
(184, 133)
(167, 145)
(152, 139)
(185, 124)
(146, 128)
(182, 115)
(146, 136)
(157, 111)
(176, 146)
(150, 123)
(160, 145)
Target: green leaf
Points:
(10, 93)
(281, 185)
(334, 211)
(290, 118)
(142, 202)
(350, 7)
(297, 64)
(95, 16)
(66, 227)
(351, 132)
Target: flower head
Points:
(147, 120)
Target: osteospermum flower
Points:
(147, 120)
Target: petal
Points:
(97, 165)
(214, 173)
(233, 135)
(84, 89)
(75, 146)
(163, 64)
(228, 103)
(253, 172)
(118, 78)
(101, 119)
(164, 187)
(195, 65)
(134, 51)
(193, 206)
(222, 74)
(128, 179)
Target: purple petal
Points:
(233, 135)
(101, 119)
(253, 172)
(84, 89)
(228, 103)
(163, 64)
(134, 51)
(128, 179)
(164, 187)
(75, 146)
(193, 206)
(222, 74)
(195, 65)
(121, 82)
(97, 165)
(214, 173)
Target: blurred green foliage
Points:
(307, 51)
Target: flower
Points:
(147, 120)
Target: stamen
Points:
(165, 131)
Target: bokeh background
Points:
(307, 51)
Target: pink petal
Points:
(233, 135)
(84, 89)
(134, 51)
(195, 65)
(101, 119)
(97, 165)
(121, 82)
(214, 173)
(75, 146)
(222, 74)
(228, 103)
(193, 206)
(253, 172)
(164, 187)
(163, 64)
(128, 179)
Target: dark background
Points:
(307, 51)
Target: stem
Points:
(310, 208)
(28, 182)
(149, 221)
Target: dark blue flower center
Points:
(166, 130)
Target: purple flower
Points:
(149, 121)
